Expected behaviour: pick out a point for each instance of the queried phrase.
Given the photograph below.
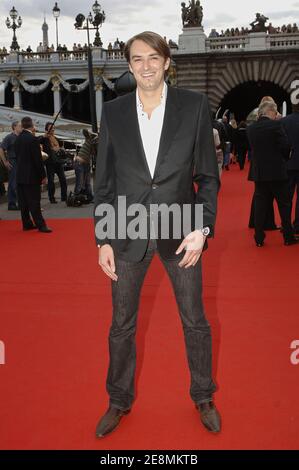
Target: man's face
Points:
(147, 65)
(18, 128)
(272, 114)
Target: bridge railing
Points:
(67, 56)
(226, 43)
(221, 44)
(283, 40)
(252, 41)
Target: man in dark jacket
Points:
(270, 151)
(291, 126)
(30, 175)
(154, 142)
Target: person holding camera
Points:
(54, 163)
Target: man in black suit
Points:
(154, 143)
(30, 175)
(291, 126)
(270, 152)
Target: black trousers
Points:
(187, 285)
(294, 186)
(242, 158)
(270, 218)
(265, 191)
(29, 196)
(52, 168)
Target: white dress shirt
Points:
(150, 129)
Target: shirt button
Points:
(154, 186)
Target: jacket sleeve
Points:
(104, 189)
(37, 158)
(206, 173)
(283, 142)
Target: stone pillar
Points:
(193, 40)
(56, 96)
(16, 93)
(257, 42)
(99, 102)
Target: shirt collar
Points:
(162, 102)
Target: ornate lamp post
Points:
(99, 18)
(56, 14)
(13, 25)
(85, 23)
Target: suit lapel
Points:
(133, 132)
(170, 125)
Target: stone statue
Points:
(259, 24)
(192, 15)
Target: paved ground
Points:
(52, 211)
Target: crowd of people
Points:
(117, 45)
(31, 161)
(284, 29)
(271, 144)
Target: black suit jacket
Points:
(291, 126)
(186, 154)
(30, 168)
(270, 150)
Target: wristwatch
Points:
(205, 231)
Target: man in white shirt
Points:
(153, 144)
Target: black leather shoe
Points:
(209, 416)
(53, 201)
(259, 242)
(291, 241)
(13, 208)
(45, 229)
(110, 421)
(30, 227)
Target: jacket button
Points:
(154, 186)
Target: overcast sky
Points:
(125, 18)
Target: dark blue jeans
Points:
(187, 285)
(57, 168)
(12, 184)
(83, 184)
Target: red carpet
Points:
(55, 317)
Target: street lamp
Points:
(56, 14)
(14, 15)
(85, 23)
(99, 18)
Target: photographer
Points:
(54, 164)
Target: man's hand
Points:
(44, 181)
(106, 261)
(193, 244)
